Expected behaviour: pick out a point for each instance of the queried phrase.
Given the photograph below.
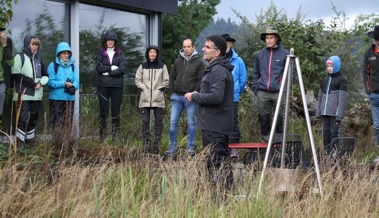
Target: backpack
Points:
(55, 64)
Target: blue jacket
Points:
(239, 74)
(269, 68)
(57, 80)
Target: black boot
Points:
(20, 144)
(30, 142)
(146, 146)
(155, 148)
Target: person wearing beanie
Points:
(185, 77)
(29, 76)
(63, 83)
(332, 101)
(215, 110)
(152, 79)
(110, 66)
(239, 76)
(267, 79)
(6, 57)
(370, 73)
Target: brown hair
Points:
(35, 41)
(105, 44)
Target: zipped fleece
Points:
(269, 68)
(186, 74)
(370, 70)
(215, 109)
(30, 74)
(152, 78)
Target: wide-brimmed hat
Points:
(374, 34)
(270, 30)
(228, 38)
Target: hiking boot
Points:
(146, 146)
(190, 152)
(171, 151)
(20, 144)
(30, 142)
(234, 153)
(153, 150)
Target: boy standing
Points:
(332, 101)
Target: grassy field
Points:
(148, 186)
(101, 179)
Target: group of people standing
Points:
(210, 89)
(152, 78)
(30, 75)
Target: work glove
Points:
(337, 123)
(113, 67)
(105, 74)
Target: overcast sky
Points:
(313, 9)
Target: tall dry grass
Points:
(124, 182)
(148, 186)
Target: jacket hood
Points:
(110, 36)
(27, 40)
(181, 53)
(63, 46)
(336, 63)
(148, 49)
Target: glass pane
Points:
(43, 18)
(131, 30)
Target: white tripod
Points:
(287, 79)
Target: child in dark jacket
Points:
(332, 101)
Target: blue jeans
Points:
(178, 103)
(374, 103)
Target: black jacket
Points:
(370, 70)
(215, 111)
(115, 77)
(186, 74)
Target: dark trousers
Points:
(158, 119)
(219, 168)
(61, 114)
(27, 120)
(236, 134)
(114, 95)
(329, 131)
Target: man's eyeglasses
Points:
(207, 47)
